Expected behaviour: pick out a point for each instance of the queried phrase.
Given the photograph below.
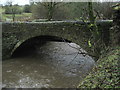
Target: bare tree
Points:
(49, 7)
(12, 8)
(94, 30)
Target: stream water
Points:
(53, 65)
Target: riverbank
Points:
(106, 74)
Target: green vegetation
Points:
(94, 30)
(2, 10)
(27, 9)
(59, 11)
(18, 17)
(106, 74)
(15, 12)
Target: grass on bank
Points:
(18, 17)
(2, 10)
(106, 74)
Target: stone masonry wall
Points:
(16, 33)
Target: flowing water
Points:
(53, 65)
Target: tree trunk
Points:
(13, 15)
(94, 31)
(50, 11)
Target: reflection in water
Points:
(52, 65)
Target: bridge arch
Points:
(14, 34)
(33, 42)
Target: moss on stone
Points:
(106, 74)
(73, 31)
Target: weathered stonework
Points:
(14, 34)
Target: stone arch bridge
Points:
(14, 34)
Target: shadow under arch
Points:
(25, 47)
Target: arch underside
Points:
(32, 43)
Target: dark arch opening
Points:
(30, 45)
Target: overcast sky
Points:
(23, 2)
(20, 2)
